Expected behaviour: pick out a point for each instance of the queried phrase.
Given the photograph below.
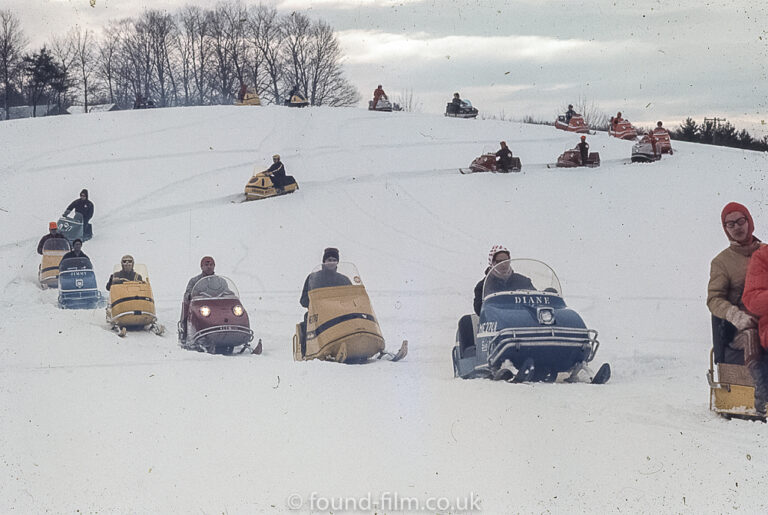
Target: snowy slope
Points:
(94, 423)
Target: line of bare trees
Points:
(195, 56)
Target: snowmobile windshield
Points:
(214, 287)
(75, 263)
(139, 268)
(466, 103)
(56, 244)
(333, 274)
(516, 275)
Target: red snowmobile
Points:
(622, 129)
(575, 124)
(571, 158)
(663, 142)
(487, 163)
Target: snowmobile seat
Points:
(723, 333)
(465, 336)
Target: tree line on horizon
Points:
(194, 56)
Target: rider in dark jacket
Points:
(54, 233)
(85, 208)
(504, 156)
(584, 150)
(277, 172)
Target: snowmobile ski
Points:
(503, 374)
(603, 374)
(258, 348)
(397, 356)
(526, 372)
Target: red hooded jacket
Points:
(755, 296)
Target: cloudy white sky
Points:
(649, 59)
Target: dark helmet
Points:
(583, 138)
(570, 106)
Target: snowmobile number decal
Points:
(487, 327)
(531, 299)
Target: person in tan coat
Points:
(727, 277)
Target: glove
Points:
(741, 320)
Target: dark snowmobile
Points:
(646, 150)
(464, 110)
(525, 331)
(571, 158)
(382, 105)
(77, 285)
(487, 163)
(71, 227)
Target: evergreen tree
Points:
(45, 79)
(688, 131)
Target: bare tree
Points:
(593, 115)
(12, 45)
(107, 58)
(84, 59)
(298, 32)
(227, 31)
(326, 84)
(195, 45)
(267, 37)
(407, 102)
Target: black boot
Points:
(759, 371)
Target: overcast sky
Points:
(652, 60)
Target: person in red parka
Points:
(755, 299)
(378, 93)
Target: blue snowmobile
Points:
(77, 285)
(525, 331)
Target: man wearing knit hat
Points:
(85, 208)
(53, 232)
(126, 273)
(325, 277)
(207, 266)
(727, 276)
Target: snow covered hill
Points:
(95, 423)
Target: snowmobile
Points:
(48, 272)
(644, 151)
(251, 98)
(297, 100)
(571, 158)
(340, 324)
(576, 123)
(77, 285)
(131, 304)
(383, 105)
(261, 186)
(487, 163)
(144, 104)
(216, 319)
(525, 334)
(71, 227)
(622, 130)
(465, 110)
(663, 141)
(731, 388)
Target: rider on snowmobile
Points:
(584, 150)
(378, 93)
(53, 233)
(126, 273)
(504, 156)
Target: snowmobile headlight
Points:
(546, 316)
(238, 310)
(205, 311)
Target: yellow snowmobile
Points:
(340, 324)
(251, 98)
(53, 250)
(731, 389)
(131, 305)
(261, 186)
